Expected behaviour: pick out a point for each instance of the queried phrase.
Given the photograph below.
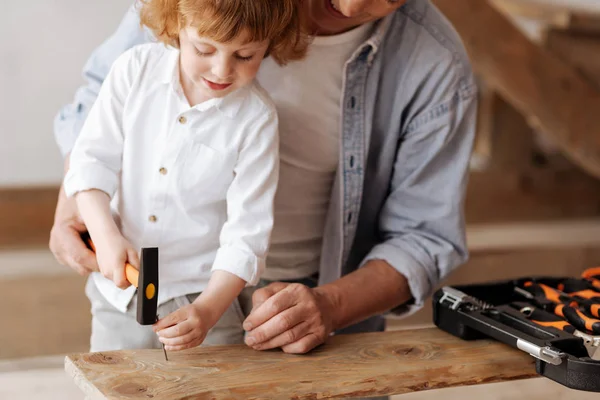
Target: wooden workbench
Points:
(346, 366)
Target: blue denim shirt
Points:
(408, 121)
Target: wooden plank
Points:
(535, 195)
(512, 139)
(358, 365)
(580, 50)
(482, 149)
(583, 23)
(536, 82)
(26, 215)
(547, 14)
(534, 236)
(552, 15)
(541, 7)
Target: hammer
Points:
(147, 291)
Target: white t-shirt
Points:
(196, 182)
(307, 94)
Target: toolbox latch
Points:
(546, 353)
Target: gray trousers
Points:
(114, 330)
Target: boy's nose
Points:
(222, 69)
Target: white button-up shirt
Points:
(196, 182)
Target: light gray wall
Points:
(43, 46)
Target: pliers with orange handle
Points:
(584, 292)
(592, 275)
(562, 305)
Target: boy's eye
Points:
(202, 53)
(241, 58)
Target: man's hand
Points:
(291, 316)
(65, 238)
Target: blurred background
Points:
(533, 202)
(43, 311)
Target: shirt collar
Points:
(379, 32)
(229, 105)
(373, 42)
(168, 73)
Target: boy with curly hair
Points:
(180, 152)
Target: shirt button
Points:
(163, 171)
(352, 102)
(152, 218)
(182, 120)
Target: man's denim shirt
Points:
(408, 121)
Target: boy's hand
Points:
(112, 252)
(186, 327)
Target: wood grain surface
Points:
(359, 365)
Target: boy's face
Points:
(216, 69)
(330, 17)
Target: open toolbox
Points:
(556, 320)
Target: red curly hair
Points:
(278, 21)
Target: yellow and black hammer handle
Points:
(145, 280)
(131, 273)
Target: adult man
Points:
(377, 126)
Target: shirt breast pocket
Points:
(204, 175)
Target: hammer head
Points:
(147, 292)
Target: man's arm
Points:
(65, 241)
(386, 289)
(422, 220)
(422, 225)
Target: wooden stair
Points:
(543, 84)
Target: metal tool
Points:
(588, 306)
(457, 299)
(146, 282)
(547, 319)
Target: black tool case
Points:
(479, 311)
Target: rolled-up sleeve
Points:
(96, 158)
(69, 120)
(422, 221)
(245, 236)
